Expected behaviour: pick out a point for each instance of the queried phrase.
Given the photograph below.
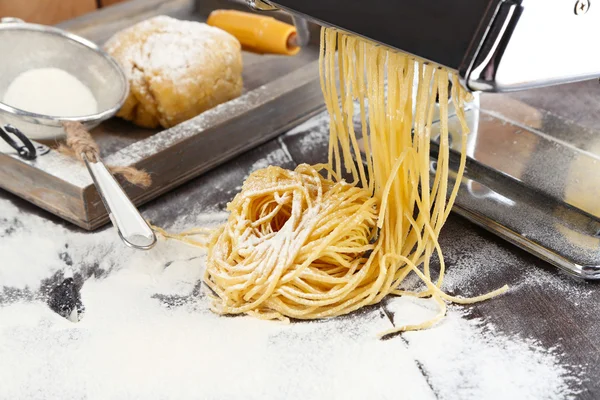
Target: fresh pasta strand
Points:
(306, 244)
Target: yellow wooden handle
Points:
(257, 33)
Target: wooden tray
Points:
(279, 93)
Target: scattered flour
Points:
(170, 137)
(316, 122)
(58, 248)
(470, 258)
(313, 133)
(148, 333)
(211, 220)
(129, 346)
(467, 359)
(278, 156)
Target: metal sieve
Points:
(26, 46)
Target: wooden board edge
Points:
(199, 170)
(38, 188)
(223, 140)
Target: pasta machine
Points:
(532, 177)
(495, 45)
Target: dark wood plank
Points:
(543, 303)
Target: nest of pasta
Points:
(296, 244)
(306, 244)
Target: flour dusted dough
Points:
(176, 69)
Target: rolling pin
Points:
(257, 33)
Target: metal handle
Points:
(133, 229)
(260, 5)
(303, 35)
(26, 150)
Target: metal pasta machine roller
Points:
(532, 176)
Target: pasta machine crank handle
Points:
(303, 33)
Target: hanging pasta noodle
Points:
(308, 244)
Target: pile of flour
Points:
(50, 91)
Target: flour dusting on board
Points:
(170, 137)
(314, 133)
(468, 359)
(147, 333)
(277, 157)
(467, 255)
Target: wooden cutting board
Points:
(279, 93)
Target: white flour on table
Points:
(147, 333)
(469, 359)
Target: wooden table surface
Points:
(543, 304)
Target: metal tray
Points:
(279, 93)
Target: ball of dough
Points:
(176, 69)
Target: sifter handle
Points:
(133, 229)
